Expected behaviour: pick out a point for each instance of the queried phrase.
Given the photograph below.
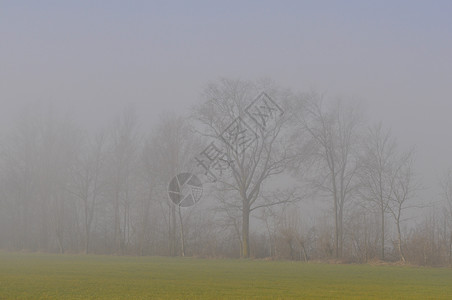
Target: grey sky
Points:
(91, 58)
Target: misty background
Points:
(89, 60)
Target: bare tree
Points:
(122, 162)
(37, 158)
(20, 202)
(59, 154)
(173, 144)
(362, 226)
(403, 187)
(149, 175)
(87, 181)
(335, 135)
(378, 174)
(269, 217)
(446, 187)
(253, 151)
(291, 230)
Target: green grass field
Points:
(45, 276)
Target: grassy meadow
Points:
(47, 276)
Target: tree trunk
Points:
(399, 241)
(173, 231)
(87, 226)
(382, 254)
(450, 249)
(289, 243)
(340, 231)
(117, 225)
(144, 225)
(60, 245)
(182, 238)
(86, 240)
(245, 232)
(305, 254)
(336, 229)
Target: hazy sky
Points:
(91, 58)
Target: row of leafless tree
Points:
(266, 163)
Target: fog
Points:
(88, 62)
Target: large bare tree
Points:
(249, 143)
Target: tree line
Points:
(264, 153)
